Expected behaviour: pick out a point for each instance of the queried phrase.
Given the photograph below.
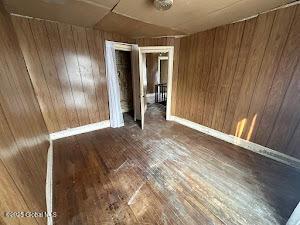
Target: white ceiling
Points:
(185, 16)
(134, 28)
(195, 15)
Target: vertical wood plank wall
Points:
(243, 79)
(67, 69)
(23, 133)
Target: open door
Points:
(138, 65)
(136, 81)
(143, 85)
(140, 78)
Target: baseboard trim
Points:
(80, 130)
(49, 184)
(270, 153)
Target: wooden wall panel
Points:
(238, 74)
(199, 57)
(279, 33)
(214, 75)
(61, 68)
(181, 83)
(68, 46)
(289, 114)
(17, 179)
(24, 139)
(260, 38)
(30, 53)
(204, 68)
(67, 68)
(100, 80)
(250, 87)
(85, 68)
(190, 66)
(230, 58)
(11, 199)
(286, 66)
(49, 70)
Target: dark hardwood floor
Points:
(167, 174)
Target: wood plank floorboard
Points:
(167, 174)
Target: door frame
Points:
(120, 46)
(170, 51)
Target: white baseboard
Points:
(80, 130)
(270, 153)
(49, 184)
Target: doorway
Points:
(123, 62)
(126, 94)
(167, 53)
(156, 80)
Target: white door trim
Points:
(170, 51)
(128, 48)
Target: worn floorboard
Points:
(167, 174)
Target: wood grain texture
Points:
(14, 177)
(250, 85)
(230, 58)
(214, 75)
(279, 33)
(282, 78)
(23, 133)
(239, 74)
(286, 124)
(152, 71)
(43, 47)
(257, 52)
(129, 176)
(67, 68)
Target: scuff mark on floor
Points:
(116, 170)
(131, 200)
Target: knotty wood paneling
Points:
(247, 82)
(23, 133)
(67, 68)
